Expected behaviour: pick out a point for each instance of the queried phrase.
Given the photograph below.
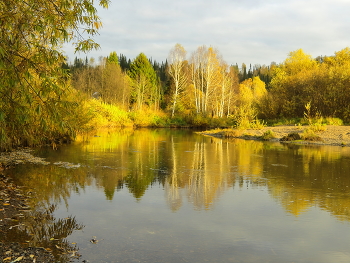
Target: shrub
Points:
(291, 137)
(309, 135)
(220, 122)
(106, 115)
(268, 135)
(159, 121)
(199, 120)
(283, 121)
(149, 118)
(178, 122)
(317, 127)
(258, 124)
(333, 121)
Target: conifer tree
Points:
(145, 83)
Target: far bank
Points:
(328, 135)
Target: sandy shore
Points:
(332, 135)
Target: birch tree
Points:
(212, 77)
(197, 63)
(178, 73)
(205, 68)
(224, 92)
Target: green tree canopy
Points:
(145, 82)
(113, 58)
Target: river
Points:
(171, 195)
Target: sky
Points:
(243, 31)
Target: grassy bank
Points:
(83, 114)
(102, 115)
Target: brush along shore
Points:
(321, 135)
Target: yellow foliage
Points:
(251, 90)
(149, 118)
(341, 58)
(106, 115)
(298, 61)
(301, 79)
(258, 88)
(245, 91)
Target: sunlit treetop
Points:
(298, 61)
(113, 58)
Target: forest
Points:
(202, 88)
(45, 99)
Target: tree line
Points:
(301, 79)
(203, 83)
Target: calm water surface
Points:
(174, 196)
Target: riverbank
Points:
(13, 208)
(330, 135)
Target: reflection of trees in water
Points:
(196, 188)
(174, 198)
(203, 178)
(52, 184)
(299, 177)
(199, 169)
(310, 176)
(41, 229)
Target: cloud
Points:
(250, 31)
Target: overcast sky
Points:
(244, 31)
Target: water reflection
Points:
(195, 169)
(39, 228)
(171, 195)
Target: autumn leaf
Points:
(18, 259)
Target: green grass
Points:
(303, 121)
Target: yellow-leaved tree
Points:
(36, 105)
(290, 84)
(251, 91)
(336, 88)
(301, 80)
